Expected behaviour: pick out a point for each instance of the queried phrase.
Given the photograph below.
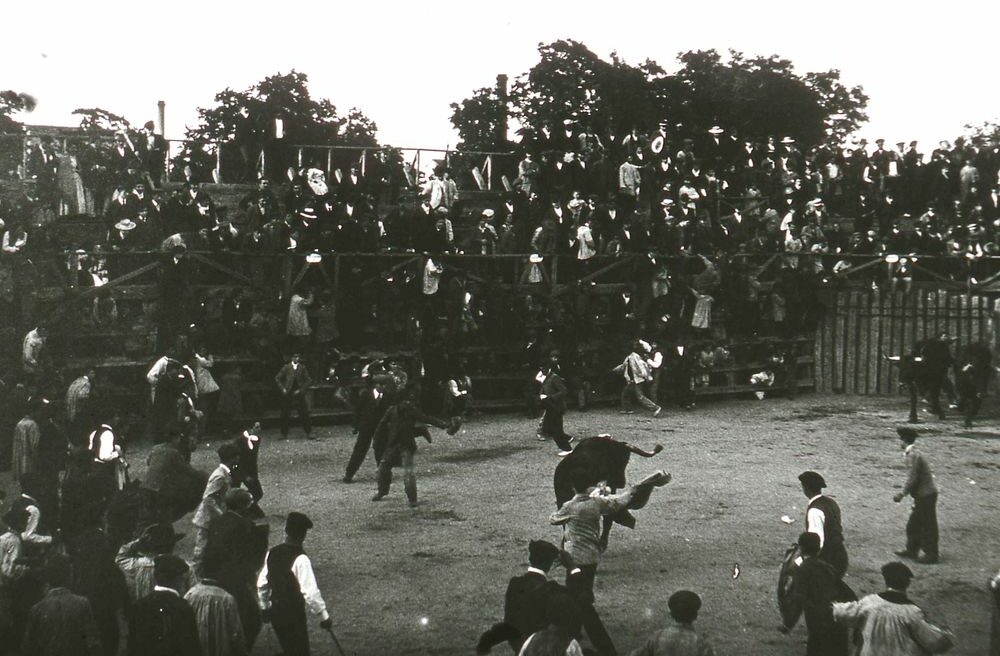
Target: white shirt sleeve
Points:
(815, 521)
(656, 360)
(106, 451)
(156, 370)
(303, 571)
(263, 588)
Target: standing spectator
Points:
(62, 623)
(553, 398)
(239, 546)
(32, 350)
(528, 173)
(293, 380)
(287, 586)
(297, 327)
(216, 615)
(922, 527)
(680, 638)
(162, 623)
(79, 400)
(823, 519)
(27, 436)
(15, 581)
(213, 499)
(890, 623)
(814, 589)
(137, 559)
(629, 179)
(97, 577)
(206, 387)
(586, 247)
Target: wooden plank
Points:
(890, 339)
(871, 351)
(954, 311)
(840, 326)
(827, 364)
(818, 355)
(850, 344)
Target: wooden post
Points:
(299, 157)
(336, 278)
(218, 163)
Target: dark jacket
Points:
(61, 624)
(163, 624)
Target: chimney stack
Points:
(161, 107)
(501, 135)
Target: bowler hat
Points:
(161, 538)
(238, 498)
(906, 434)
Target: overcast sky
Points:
(927, 67)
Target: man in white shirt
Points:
(287, 586)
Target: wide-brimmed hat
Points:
(161, 537)
(535, 258)
(125, 225)
(788, 140)
(715, 129)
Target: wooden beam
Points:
(611, 267)
(393, 269)
(219, 267)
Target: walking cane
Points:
(336, 642)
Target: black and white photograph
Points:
(530, 328)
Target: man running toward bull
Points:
(823, 519)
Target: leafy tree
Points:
(11, 147)
(305, 121)
(756, 97)
(477, 120)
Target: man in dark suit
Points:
(371, 406)
(162, 623)
(814, 589)
(553, 398)
(293, 380)
(527, 597)
(62, 623)
(823, 518)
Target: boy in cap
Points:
(294, 380)
(526, 599)
(814, 588)
(162, 622)
(823, 519)
(680, 638)
(922, 527)
(889, 622)
(286, 586)
(137, 559)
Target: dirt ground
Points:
(429, 580)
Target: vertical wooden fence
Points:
(862, 325)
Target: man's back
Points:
(61, 624)
(163, 624)
(892, 624)
(675, 640)
(218, 619)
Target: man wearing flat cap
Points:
(823, 519)
(922, 527)
(679, 638)
(287, 586)
(890, 623)
(162, 622)
(526, 599)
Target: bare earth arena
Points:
(429, 580)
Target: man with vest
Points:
(823, 519)
(108, 465)
(286, 586)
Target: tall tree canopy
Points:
(754, 96)
(305, 120)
